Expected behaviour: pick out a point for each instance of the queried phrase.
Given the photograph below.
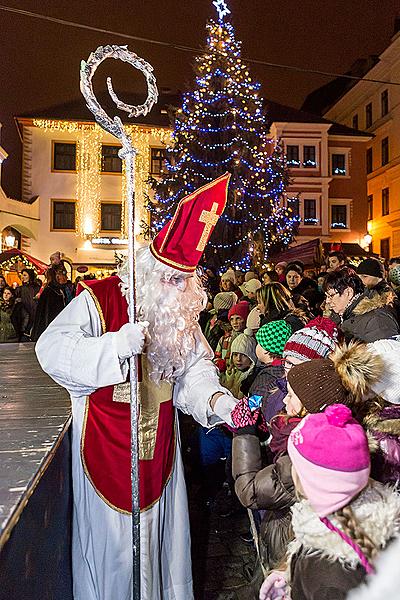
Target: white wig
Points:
(171, 303)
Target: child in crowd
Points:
(243, 360)
(250, 292)
(217, 323)
(237, 317)
(343, 519)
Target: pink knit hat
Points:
(241, 309)
(330, 454)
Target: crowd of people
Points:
(314, 451)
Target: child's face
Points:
(292, 403)
(241, 361)
(237, 323)
(263, 356)
(291, 361)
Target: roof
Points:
(78, 111)
(287, 114)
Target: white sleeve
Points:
(76, 354)
(194, 389)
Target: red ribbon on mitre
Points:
(181, 242)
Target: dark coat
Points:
(51, 303)
(19, 318)
(369, 318)
(27, 292)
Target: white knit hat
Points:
(252, 286)
(388, 384)
(250, 275)
(245, 343)
(230, 275)
(224, 300)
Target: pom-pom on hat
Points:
(317, 340)
(241, 309)
(273, 336)
(224, 300)
(371, 266)
(181, 242)
(329, 452)
(317, 384)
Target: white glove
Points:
(223, 407)
(130, 339)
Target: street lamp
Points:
(9, 240)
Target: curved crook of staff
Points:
(128, 153)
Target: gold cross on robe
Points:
(210, 218)
(151, 397)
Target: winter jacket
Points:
(216, 326)
(51, 302)
(14, 320)
(27, 292)
(322, 565)
(383, 428)
(369, 318)
(233, 379)
(263, 379)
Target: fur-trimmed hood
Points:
(373, 301)
(385, 421)
(357, 367)
(377, 509)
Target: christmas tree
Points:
(222, 126)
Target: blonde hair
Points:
(353, 530)
(274, 296)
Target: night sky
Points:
(39, 61)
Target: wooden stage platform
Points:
(35, 480)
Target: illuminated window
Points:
(339, 164)
(64, 156)
(110, 161)
(63, 215)
(310, 211)
(111, 216)
(157, 160)
(309, 157)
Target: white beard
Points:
(172, 314)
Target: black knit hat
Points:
(371, 266)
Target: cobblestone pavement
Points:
(222, 561)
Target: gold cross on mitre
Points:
(210, 219)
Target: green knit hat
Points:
(273, 336)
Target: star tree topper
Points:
(222, 9)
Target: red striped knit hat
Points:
(317, 340)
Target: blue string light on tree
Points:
(221, 126)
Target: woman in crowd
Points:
(57, 293)
(275, 303)
(28, 292)
(302, 287)
(14, 319)
(360, 316)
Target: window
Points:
(370, 207)
(385, 151)
(339, 164)
(63, 215)
(384, 103)
(157, 160)
(110, 161)
(385, 201)
(64, 156)
(111, 216)
(339, 216)
(368, 115)
(292, 155)
(309, 156)
(355, 121)
(310, 211)
(385, 248)
(369, 160)
(294, 204)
